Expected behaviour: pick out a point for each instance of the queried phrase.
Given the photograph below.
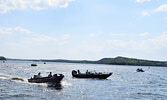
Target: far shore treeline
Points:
(110, 61)
(2, 58)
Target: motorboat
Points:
(139, 70)
(33, 64)
(99, 75)
(56, 78)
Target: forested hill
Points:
(111, 61)
(116, 61)
(2, 58)
(130, 61)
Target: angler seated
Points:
(87, 72)
(50, 74)
(78, 71)
(38, 76)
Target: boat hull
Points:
(139, 70)
(91, 75)
(56, 79)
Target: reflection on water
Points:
(125, 83)
(55, 86)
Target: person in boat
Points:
(39, 75)
(79, 72)
(87, 72)
(50, 74)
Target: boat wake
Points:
(65, 83)
(5, 76)
(10, 77)
(17, 78)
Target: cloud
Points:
(165, 18)
(159, 42)
(66, 36)
(4, 30)
(10, 30)
(150, 48)
(117, 34)
(92, 35)
(117, 43)
(141, 1)
(22, 30)
(25, 36)
(154, 44)
(145, 13)
(43, 38)
(34, 45)
(161, 8)
(7, 5)
(143, 34)
(151, 44)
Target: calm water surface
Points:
(124, 84)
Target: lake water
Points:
(124, 84)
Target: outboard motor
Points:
(74, 72)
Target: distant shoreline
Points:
(108, 61)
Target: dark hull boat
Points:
(91, 75)
(139, 70)
(33, 64)
(54, 79)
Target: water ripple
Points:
(124, 84)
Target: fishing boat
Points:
(139, 70)
(56, 78)
(33, 64)
(90, 75)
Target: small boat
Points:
(139, 70)
(90, 75)
(33, 64)
(56, 78)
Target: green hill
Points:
(116, 61)
(110, 61)
(130, 61)
(2, 58)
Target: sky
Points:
(83, 29)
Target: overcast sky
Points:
(83, 29)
